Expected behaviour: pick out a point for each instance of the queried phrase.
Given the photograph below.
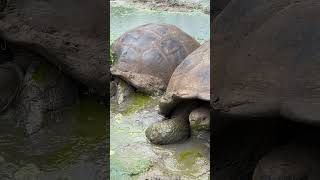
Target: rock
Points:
(200, 119)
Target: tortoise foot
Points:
(168, 131)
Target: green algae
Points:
(66, 154)
(62, 145)
(70, 152)
(139, 101)
(188, 158)
(90, 129)
(132, 157)
(112, 57)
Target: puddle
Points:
(73, 148)
(133, 157)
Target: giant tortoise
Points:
(75, 43)
(189, 87)
(268, 64)
(148, 55)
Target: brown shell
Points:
(148, 55)
(191, 79)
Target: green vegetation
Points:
(188, 158)
(139, 101)
(90, 129)
(112, 57)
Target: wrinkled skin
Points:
(200, 118)
(172, 130)
(73, 42)
(169, 131)
(148, 55)
(188, 84)
(123, 91)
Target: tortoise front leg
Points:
(172, 130)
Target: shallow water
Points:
(74, 148)
(124, 18)
(133, 157)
